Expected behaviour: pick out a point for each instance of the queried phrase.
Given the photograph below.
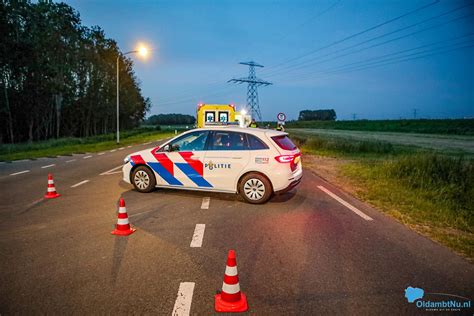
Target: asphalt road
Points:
(301, 253)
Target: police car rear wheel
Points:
(143, 179)
(255, 188)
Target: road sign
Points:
(281, 117)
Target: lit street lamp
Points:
(143, 51)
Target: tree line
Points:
(58, 77)
(170, 119)
(317, 115)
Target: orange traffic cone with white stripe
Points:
(123, 226)
(51, 193)
(230, 299)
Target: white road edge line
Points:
(147, 143)
(346, 204)
(129, 146)
(121, 148)
(205, 203)
(196, 242)
(86, 157)
(48, 166)
(80, 183)
(71, 160)
(19, 172)
(110, 171)
(113, 150)
(182, 305)
(100, 154)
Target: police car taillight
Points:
(285, 158)
(289, 159)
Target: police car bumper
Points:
(126, 172)
(293, 183)
(291, 186)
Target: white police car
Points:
(252, 162)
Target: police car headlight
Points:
(126, 160)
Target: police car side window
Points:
(195, 141)
(223, 140)
(255, 143)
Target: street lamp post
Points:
(142, 51)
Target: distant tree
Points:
(170, 119)
(317, 115)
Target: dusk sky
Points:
(311, 53)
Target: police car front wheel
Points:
(143, 179)
(255, 188)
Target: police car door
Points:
(226, 156)
(180, 163)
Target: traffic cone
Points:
(51, 193)
(123, 226)
(230, 299)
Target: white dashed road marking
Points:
(182, 305)
(147, 143)
(100, 154)
(19, 172)
(48, 166)
(346, 204)
(87, 157)
(129, 146)
(121, 148)
(113, 150)
(71, 160)
(80, 183)
(198, 236)
(111, 171)
(205, 203)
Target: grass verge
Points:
(425, 126)
(427, 191)
(69, 146)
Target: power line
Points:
(389, 41)
(308, 63)
(403, 59)
(384, 57)
(369, 60)
(357, 34)
(190, 92)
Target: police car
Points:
(250, 161)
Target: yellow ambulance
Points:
(215, 114)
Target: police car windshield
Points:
(190, 142)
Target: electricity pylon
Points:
(252, 92)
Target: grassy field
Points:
(68, 146)
(430, 192)
(449, 144)
(451, 127)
